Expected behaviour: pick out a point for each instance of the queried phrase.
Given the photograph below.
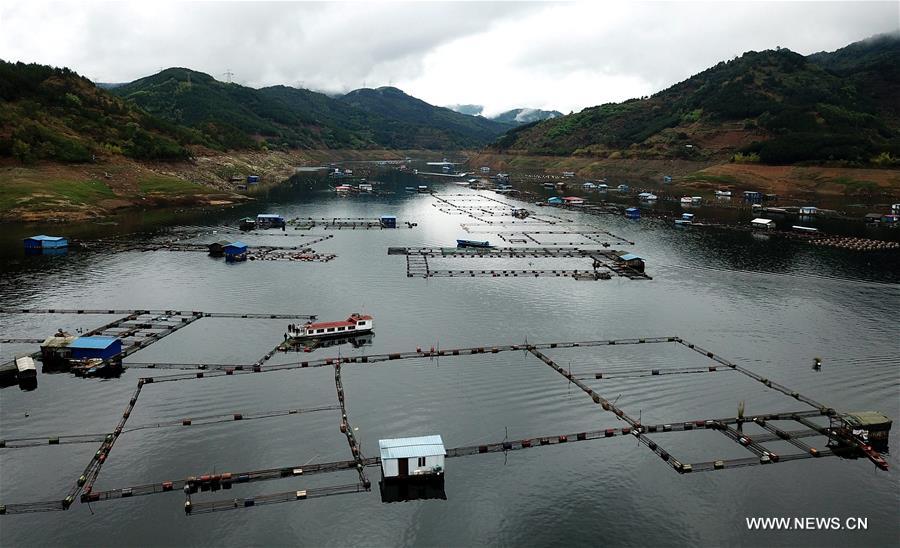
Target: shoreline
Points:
(49, 192)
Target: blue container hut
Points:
(46, 242)
(388, 221)
(269, 220)
(252, 179)
(96, 346)
(633, 213)
(556, 200)
(235, 251)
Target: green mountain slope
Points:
(55, 114)
(777, 107)
(231, 115)
(435, 127)
(235, 116)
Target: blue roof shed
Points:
(45, 242)
(555, 200)
(235, 248)
(96, 346)
(633, 213)
(388, 221)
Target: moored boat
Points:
(355, 323)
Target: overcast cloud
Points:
(563, 56)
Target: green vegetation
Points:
(231, 116)
(170, 186)
(748, 158)
(54, 114)
(23, 188)
(838, 108)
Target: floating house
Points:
(388, 221)
(647, 196)
(870, 426)
(631, 261)
(235, 251)
(763, 224)
(216, 249)
(46, 242)
(412, 458)
(872, 218)
(252, 179)
(602, 187)
(752, 197)
(25, 368)
(632, 213)
(622, 188)
(269, 220)
(555, 200)
(485, 169)
(568, 174)
(95, 347)
(588, 186)
(808, 210)
(574, 200)
(687, 216)
(55, 349)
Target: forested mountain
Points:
(774, 106)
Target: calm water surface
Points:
(767, 304)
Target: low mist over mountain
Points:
(516, 116)
(471, 110)
(526, 115)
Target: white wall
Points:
(390, 468)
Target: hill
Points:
(55, 114)
(526, 115)
(435, 127)
(774, 107)
(232, 116)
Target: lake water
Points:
(767, 304)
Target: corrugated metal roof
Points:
(96, 342)
(236, 244)
(405, 448)
(57, 342)
(268, 216)
(44, 238)
(628, 256)
(761, 221)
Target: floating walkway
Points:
(604, 263)
(729, 427)
(346, 223)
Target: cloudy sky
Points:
(563, 56)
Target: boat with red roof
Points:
(353, 325)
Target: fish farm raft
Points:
(638, 398)
(841, 432)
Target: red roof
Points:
(348, 322)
